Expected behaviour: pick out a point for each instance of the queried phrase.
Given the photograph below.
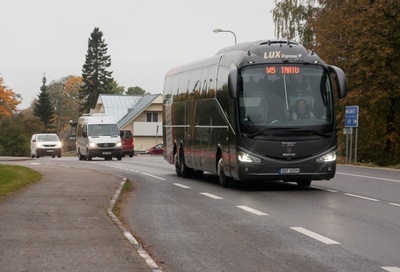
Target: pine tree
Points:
(43, 107)
(95, 76)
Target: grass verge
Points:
(14, 177)
(119, 205)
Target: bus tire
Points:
(177, 167)
(224, 181)
(304, 183)
(185, 171)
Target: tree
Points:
(95, 76)
(293, 20)
(43, 107)
(114, 88)
(8, 100)
(16, 131)
(135, 91)
(363, 38)
(63, 94)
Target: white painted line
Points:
(315, 236)
(152, 176)
(324, 189)
(211, 196)
(363, 197)
(394, 204)
(181, 185)
(248, 209)
(361, 176)
(391, 268)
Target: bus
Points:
(255, 111)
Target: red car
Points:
(127, 142)
(157, 149)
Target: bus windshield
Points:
(284, 96)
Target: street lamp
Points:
(218, 30)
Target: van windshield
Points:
(103, 130)
(48, 137)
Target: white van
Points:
(45, 145)
(97, 135)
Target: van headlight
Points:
(59, 145)
(92, 145)
(118, 144)
(244, 157)
(327, 157)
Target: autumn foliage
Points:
(363, 38)
(9, 100)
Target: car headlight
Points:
(327, 157)
(59, 145)
(92, 144)
(244, 157)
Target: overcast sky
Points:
(145, 38)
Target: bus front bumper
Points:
(286, 172)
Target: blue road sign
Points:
(351, 116)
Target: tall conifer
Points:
(43, 107)
(95, 76)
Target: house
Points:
(141, 114)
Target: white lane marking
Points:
(361, 176)
(211, 196)
(391, 268)
(363, 197)
(181, 185)
(315, 236)
(152, 176)
(248, 209)
(324, 189)
(394, 204)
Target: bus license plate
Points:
(106, 153)
(289, 170)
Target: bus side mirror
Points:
(232, 83)
(340, 78)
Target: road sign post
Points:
(351, 121)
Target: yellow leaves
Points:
(8, 100)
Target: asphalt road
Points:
(350, 223)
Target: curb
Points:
(140, 250)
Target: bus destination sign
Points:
(284, 70)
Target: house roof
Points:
(118, 106)
(139, 107)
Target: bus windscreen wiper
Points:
(316, 132)
(251, 136)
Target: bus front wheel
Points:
(177, 167)
(304, 183)
(224, 181)
(185, 171)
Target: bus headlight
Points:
(244, 157)
(327, 157)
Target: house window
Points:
(152, 117)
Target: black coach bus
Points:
(255, 111)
